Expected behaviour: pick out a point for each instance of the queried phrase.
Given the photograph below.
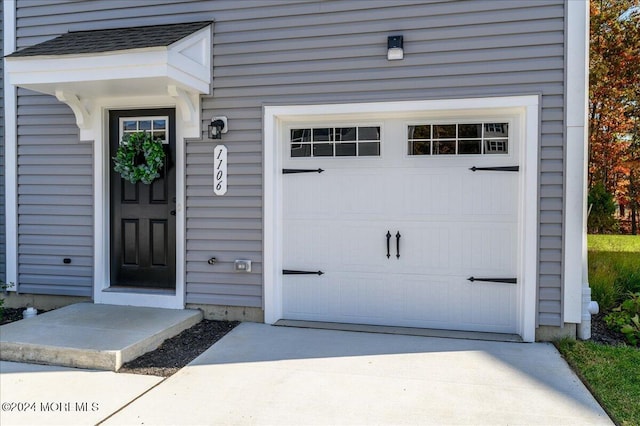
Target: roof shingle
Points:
(96, 41)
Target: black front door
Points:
(143, 221)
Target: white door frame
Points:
(102, 250)
(525, 107)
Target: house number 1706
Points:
(220, 170)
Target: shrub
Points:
(601, 212)
(626, 318)
(3, 287)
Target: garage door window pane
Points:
(301, 135)
(470, 147)
(323, 150)
(300, 150)
(444, 131)
(346, 134)
(420, 148)
(369, 133)
(444, 147)
(496, 130)
(346, 149)
(368, 149)
(496, 146)
(322, 134)
(470, 130)
(420, 132)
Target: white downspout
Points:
(589, 307)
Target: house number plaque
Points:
(220, 170)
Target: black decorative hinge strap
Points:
(293, 272)
(292, 171)
(495, 280)
(496, 169)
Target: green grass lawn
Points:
(617, 243)
(614, 267)
(612, 374)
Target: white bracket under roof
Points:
(83, 116)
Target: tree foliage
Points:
(601, 211)
(614, 100)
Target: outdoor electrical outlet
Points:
(242, 265)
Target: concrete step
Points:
(88, 335)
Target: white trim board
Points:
(576, 154)
(527, 109)
(101, 291)
(10, 152)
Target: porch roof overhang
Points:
(83, 68)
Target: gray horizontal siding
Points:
(288, 52)
(55, 187)
(2, 161)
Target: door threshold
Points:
(140, 290)
(408, 331)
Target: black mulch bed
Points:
(11, 315)
(173, 354)
(180, 350)
(600, 333)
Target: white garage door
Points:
(398, 224)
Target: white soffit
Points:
(181, 70)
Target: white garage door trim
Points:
(526, 108)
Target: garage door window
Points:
(352, 141)
(458, 139)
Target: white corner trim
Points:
(529, 159)
(10, 152)
(528, 110)
(575, 212)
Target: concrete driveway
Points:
(259, 374)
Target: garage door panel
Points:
(426, 300)
(454, 224)
(488, 249)
(428, 248)
(307, 297)
(306, 247)
(308, 198)
(361, 247)
(489, 194)
(361, 196)
(492, 307)
(362, 298)
(423, 194)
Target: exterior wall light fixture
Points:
(395, 50)
(217, 127)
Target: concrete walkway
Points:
(264, 375)
(88, 335)
(32, 394)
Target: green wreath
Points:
(139, 158)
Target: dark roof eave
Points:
(110, 40)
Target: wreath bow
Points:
(139, 158)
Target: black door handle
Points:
(172, 212)
(388, 244)
(398, 245)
